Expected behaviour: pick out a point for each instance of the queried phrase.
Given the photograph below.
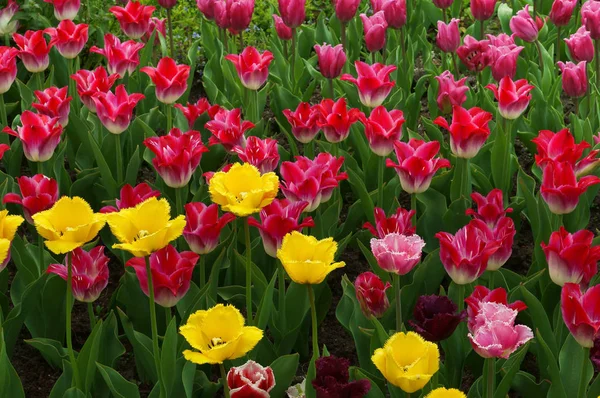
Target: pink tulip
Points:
(560, 188)
(8, 67)
(53, 102)
(206, 7)
(580, 312)
(483, 9)
(331, 60)
(116, 110)
(283, 31)
(482, 295)
(373, 82)
(590, 18)
(443, 4)
(262, 154)
(383, 129)
(581, 46)
(131, 196)
(240, 14)
(513, 97)
(293, 12)
(203, 226)
(345, 10)
(38, 193)
(335, 119)
(397, 253)
(252, 67)
(65, 9)
(370, 293)
(525, 27)
(399, 222)
(448, 36)
(228, 129)
(503, 60)
(8, 26)
(395, 13)
(133, 18)
(574, 78)
(468, 132)
(303, 122)
(475, 54)
(250, 380)
(91, 82)
(490, 208)
(68, 38)
(169, 79)
(562, 11)
(39, 135)
(374, 28)
(192, 112)
(450, 92)
(33, 50)
(123, 57)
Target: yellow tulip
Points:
(446, 393)
(407, 361)
(145, 228)
(69, 224)
(218, 334)
(8, 229)
(306, 259)
(243, 190)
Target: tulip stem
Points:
(293, 61)
(413, 206)
(331, 89)
(168, 317)
(171, 44)
(69, 300)
(313, 314)
(3, 114)
(179, 201)
(557, 49)
(481, 29)
(282, 315)
(583, 381)
(40, 80)
(343, 37)
(540, 55)
(248, 273)
(461, 297)
(202, 266)
(455, 65)
(7, 40)
(224, 378)
(380, 181)
(506, 135)
(119, 155)
(41, 253)
(155, 349)
(241, 41)
(169, 113)
(491, 377)
(398, 290)
(90, 307)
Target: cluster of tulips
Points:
(238, 302)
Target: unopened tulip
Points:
(8, 67)
(395, 13)
(580, 312)
(53, 102)
(483, 10)
(123, 57)
(33, 50)
(560, 188)
(228, 128)
(169, 78)
(450, 92)
(262, 154)
(370, 293)
(293, 12)
(39, 135)
(250, 380)
(335, 119)
(468, 132)
(397, 253)
(333, 379)
(206, 7)
(513, 97)
(574, 78)
(399, 222)
(435, 318)
(68, 38)
(383, 129)
(562, 11)
(303, 122)
(203, 226)
(503, 61)
(331, 60)
(345, 10)
(375, 28)
(38, 193)
(116, 110)
(91, 82)
(283, 31)
(131, 196)
(590, 18)
(240, 14)
(8, 26)
(65, 9)
(581, 46)
(443, 4)
(475, 54)
(252, 67)
(525, 27)
(133, 18)
(373, 82)
(448, 36)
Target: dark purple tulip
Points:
(595, 354)
(435, 317)
(332, 377)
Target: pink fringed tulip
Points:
(38, 193)
(262, 154)
(370, 293)
(169, 78)
(525, 27)
(131, 197)
(53, 102)
(590, 18)
(133, 18)
(448, 36)
(8, 26)
(283, 31)
(33, 50)
(250, 380)
(373, 82)
(375, 28)
(560, 188)
(513, 97)
(468, 132)
(450, 92)
(482, 10)
(397, 253)
(561, 147)
(399, 222)
(580, 312)
(331, 60)
(39, 135)
(303, 122)
(123, 57)
(203, 226)
(252, 67)
(293, 12)
(581, 46)
(482, 295)
(91, 82)
(116, 110)
(68, 38)
(8, 67)
(475, 54)
(383, 129)
(335, 119)
(562, 11)
(345, 10)
(65, 9)
(574, 78)
(228, 128)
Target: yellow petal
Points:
(9, 224)
(198, 357)
(192, 330)
(379, 359)
(223, 321)
(4, 248)
(67, 213)
(62, 246)
(248, 340)
(446, 393)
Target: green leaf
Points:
(88, 356)
(284, 369)
(120, 387)
(187, 377)
(359, 188)
(52, 350)
(74, 392)
(510, 369)
(572, 360)
(108, 181)
(557, 386)
(263, 313)
(10, 384)
(540, 320)
(142, 349)
(168, 356)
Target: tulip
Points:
(397, 253)
(333, 379)
(3, 149)
(468, 132)
(375, 28)
(501, 40)
(297, 390)
(131, 197)
(171, 274)
(560, 188)
(240, 14)
(283, 31)
(243, 190)
(123, 57)
(8, 228)
(203, 226)
(203, 331)
(250, 380)
(590, 18)
(442, 392)
(443, 4)
(65, 9)
(436, 317)
(206, 7)
(68, 224)
(581, 46)
(303, 122)
(525, 27)
(261, 154)
(8, 68)
(395, 13)
(39, 135)
(252, 67)
(475, 54)
(490, 208)
(89, 274)
(383, 129)
(450, 92)
(481, 295)
(169, 78)
(33, 50)
(503, 61)
(54, 103)
(482, 10)
(417, 164)
(595, 354)
(331, 60)
(335, 119)
(562, 11)
(155, 25)
(345, 10)
(221, 15)
(574, 78)
(312, 181)
(192, 112)
(580, 314)
(68, 38)
(370, 293)
(7, 25)
(133, 18)
(373, 82)
(561, 147)
(293, 12)
(504, 233)
(513, 97)
(228, 129)
(448, 36)
(399, 222)
(116, 110)
(409, 372)
(465, 255)
(167, 3)
(91, 82)
(38, 193)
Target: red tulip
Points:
(373, 82)
(193, 111)
(561, 147)
(220, 14)
(383, 129)
(252, 67)
(574, 78)
(465, 255)
(590, 18)
(303, 122)
(91, 82)
(33, 50)
(8, 67)
(475, 54)
(169, 78)
(155, 25)
(468, 132)
(375, 28)
(3, 149)
(262, 154)
(240, 14)
(443, 4)
(482, 295)
(345, 10)
(293, 12)
(560, 188)
(450, 92)
(131, 197)
(279, 219)
(115, 110)
(39, 135)
(503, 60)
(335, 119)
(250, 380)
(331, 60)
(513, 97)
(581, 46)
(177, 155)
(228, 129)
(448, 36)
(123, 57)
(525, 27)
(312, 181)
(38, 193)
(370, 293)
(171, 274)
(490, 208)
(397, 253)
(283, 31)
(482, 9)
(417, 164)
(399, 222)
(504, 233)
(206, 7)
(580, 312)
(562, 11)
(7, 25)
(203, 226)
(68, 38)
(395, 13)
(167, 3)
(133, 18)
(89, 273)
(65, 9)
(53, 102)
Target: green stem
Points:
(281, 277)
(331, 91)
(492, 277)
(465, 185)
(505, 135)
(7, 40)
(92, 316)
(155, 349)
(557, 49)
(455, 65)
(403, 49)
(41, 253)
(293, 61)
(169, 117)
(583, 382)
(343, 37)
(461, 297)
(413, 206)
(168, 316)
(248, 274)
(75, 382)
(481, 29)
(491, 377)
(202, 269)
(398, 291)
(540, 55)
(380, 181)
(179, 201)
(170, 26)
(119, 156)
(224, 380)
(313, 314)
(40, 80)
(258, 112)
(3, 115)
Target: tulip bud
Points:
(443, 4)
(560, 188)
(450, 92)
(335, 119)
(331, 60)
(482, 9)
(68, 38)
(581, 46)
(448, 37)
(116, 110)
(383, 129)
(370, 293)
(252, 67)
(345, 10)
(33, 50)
(373, 82)
(503, 61)
(38, 193)
(590, 18)
(133, 18)
(303, 122)
(436, 317)
(203, 226)
(395, 13)
(283, 31)
(8, 67)
(169, 78)
(228, 129)
(240, 14)
(65, 9)
(374, 28)
(39, 135)
(167, 3)
(7, 25)
(131, 196)
(562, 11)
(468, 132)
(293, 12)
(574, 78)
(524, 26)
(262, 154)
(579, 312)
